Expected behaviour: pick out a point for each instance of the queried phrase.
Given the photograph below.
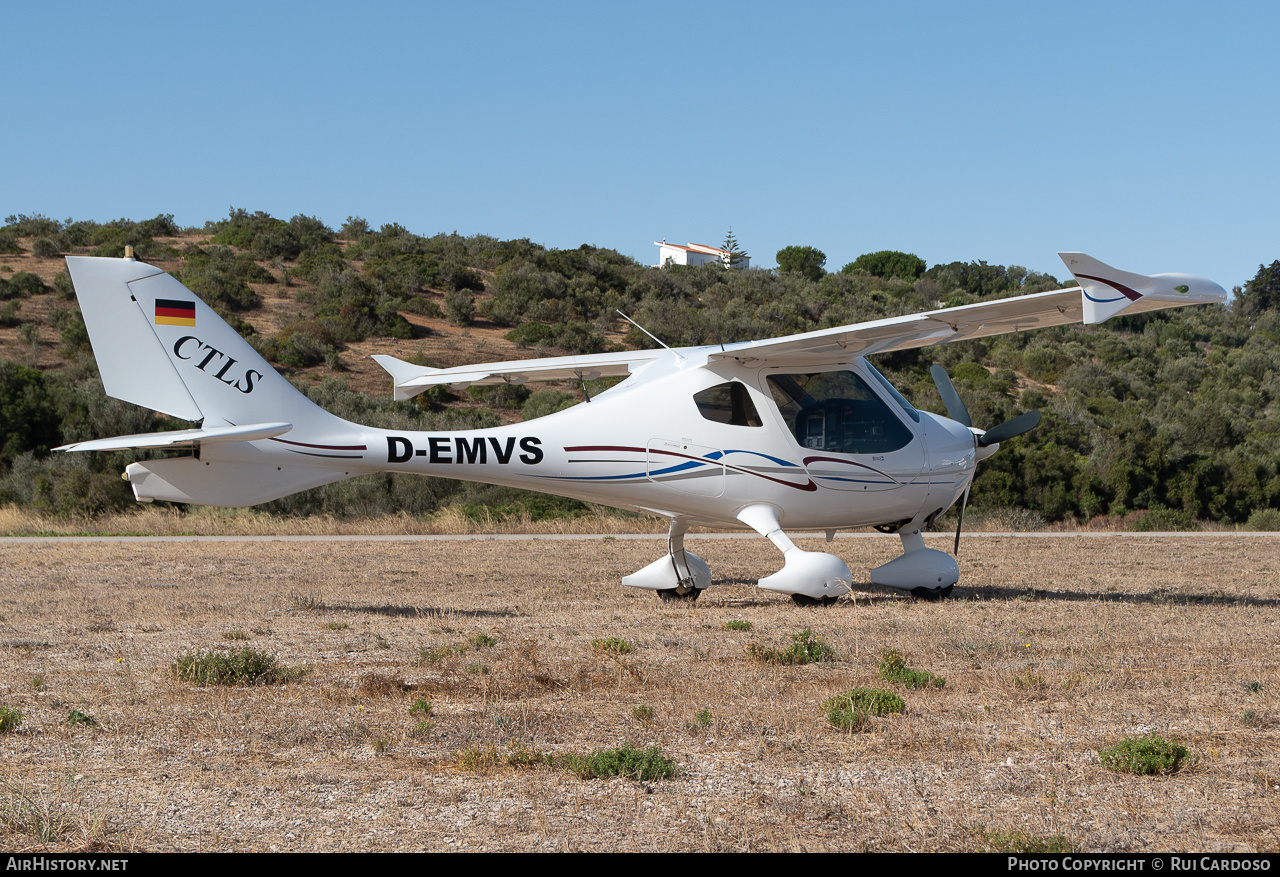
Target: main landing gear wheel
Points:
(806, 600)
(932, 594)
(672, 595)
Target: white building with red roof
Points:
(695, 254)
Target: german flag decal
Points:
(175, 313)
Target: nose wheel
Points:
(806, 600)
(932, 594)
(674, 595)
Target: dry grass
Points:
(165, 520)
(1052, 650)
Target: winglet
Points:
(1107, 291)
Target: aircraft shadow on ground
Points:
(431, 611)
(1157, 597)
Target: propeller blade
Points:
(950, 398)
(955, 552)
(1010, 428)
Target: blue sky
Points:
(1142, 133)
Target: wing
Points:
(1103, 293)
(410, 379)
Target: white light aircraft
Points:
(798, 432)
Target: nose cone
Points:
(948, 443)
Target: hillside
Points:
(1167, 417)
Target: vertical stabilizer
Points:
(158, 345)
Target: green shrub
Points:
(531, 334)
(1147, 755)
(1164, 520)
(509, 396)
(245, 667)
(36, 225)
(893, 668)
(545, 402)
(1264, 519)
(45, 248)
(641, 765)
(852, 711)
(25, 283)
(805, 648)
(460, 307)
(10, 719)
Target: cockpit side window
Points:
(728, 403)
(837, 411)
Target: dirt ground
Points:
(1051, 648)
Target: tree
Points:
(802, 260)
(1262, 293)
(736, 258)
(887, 263)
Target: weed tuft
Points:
(245, 667)
(805, 648)
(893, 668)
(1149, 755)
(1018, 841)
(483, 641)
(50, 821)
(434, 654)
(236, 635)
(420, 707)
(643, 714)
(1253, 686)
(76, 717)
(10, 719)
(702, 718)
(613, 645)
(1029, 680)
(522, 757)
(853, 711)
(306, 601)
(378, 685)
(738, 624)
(476, 758)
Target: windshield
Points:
(893, 391)
(837, 411)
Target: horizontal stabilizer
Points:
(182, 438)
(220, 483)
